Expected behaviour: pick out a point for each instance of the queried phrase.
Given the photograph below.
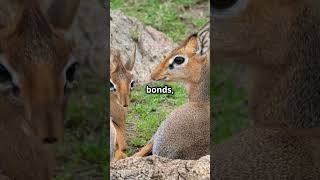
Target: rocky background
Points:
(152, 45)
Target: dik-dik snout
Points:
(121, 78)
(36, 68)
(45, 91)
(42, 93)
(183, 64)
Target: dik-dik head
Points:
(36, 71)
(121, 77)
(259, 32)
(185, 62)
(280, 40)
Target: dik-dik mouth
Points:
(165, 78)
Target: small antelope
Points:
(121, 84)
(279, 40)
(185, 134)
(36, 74)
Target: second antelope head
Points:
(121, 77)
(36, 70)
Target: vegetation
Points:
(147, 111)
(83, 153)
(171, 17)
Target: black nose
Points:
(126, 105)
(50, 140)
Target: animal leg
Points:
(145, 151)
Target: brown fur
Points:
(122, 77)
(279, 41)
(185, 132)
(33, 109)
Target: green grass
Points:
(229, 106)
(147, 111)
(169, 17)
(83, 153)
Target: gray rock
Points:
(156, 167)
(152, 45)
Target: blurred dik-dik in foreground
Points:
(36, 73)
(185, 133)
(279, 40)
(121, 84)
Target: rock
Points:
(152, 45)
(156, 167)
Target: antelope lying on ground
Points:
(35, 75)
(121, 84)
(185, 134)
(279, 40)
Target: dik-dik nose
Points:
(125, 100)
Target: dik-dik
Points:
(186, 131)
(121, 84)
(279, 40)
(35, 75)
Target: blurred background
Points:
(83, 153)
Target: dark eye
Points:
(178, 60)
(112, 87)
(5, 76)
(70, 73)
(132, 84)
(222, 4)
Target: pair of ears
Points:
(117, 62)
(60, 13)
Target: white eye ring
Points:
(172, 64)
(113, 87)
(132, 84)
(13, 73)
(71, 62)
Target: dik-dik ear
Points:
(190, 45)
(62, 12)
(114, 59)
(203, 41)
(130, 64)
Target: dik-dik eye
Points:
(222, 4)
(112, 87)
(177, 61)
(132, 84)
(227, 8)
(70, 75)
(5, 75)
(7, 82)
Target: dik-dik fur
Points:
(121, 84)
(185, 134)
(35, 76)
(279, 41)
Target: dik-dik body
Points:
(121, 84)
(279, 41)
(185, 133)
(35, 75)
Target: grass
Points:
(229, 106)
(147, 111)
(83, 153)
(170, 17)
